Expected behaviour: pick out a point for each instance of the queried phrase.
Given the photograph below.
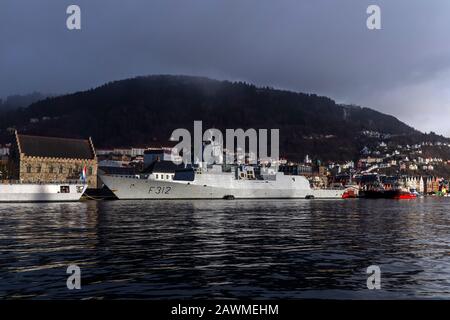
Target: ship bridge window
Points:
(64, 189)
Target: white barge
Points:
(45, 192)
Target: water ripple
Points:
(226, 249)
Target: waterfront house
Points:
(4, 151)
(414, 182)
(432, 184)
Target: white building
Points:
(416, 183)
(4, 151)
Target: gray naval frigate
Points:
(213, 182)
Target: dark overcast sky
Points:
(320, 46)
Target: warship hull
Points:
(132, 188)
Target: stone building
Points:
(50, 159)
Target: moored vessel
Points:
(393, 189)
(212, 182)
(14, 191)
(396, 194)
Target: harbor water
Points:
(226, 249)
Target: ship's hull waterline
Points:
(23, 192)
(127, 188)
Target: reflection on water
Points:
(226, 249)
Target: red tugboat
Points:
(405, 195)
(378, 191)
(396, 194)
(349, 194)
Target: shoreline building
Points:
(416, 183)
(39, 159)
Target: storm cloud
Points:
(317, 46)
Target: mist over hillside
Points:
(21, 101)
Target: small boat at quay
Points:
(15, 191)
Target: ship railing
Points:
(328, 188)
(131, 176)
(70, 182)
